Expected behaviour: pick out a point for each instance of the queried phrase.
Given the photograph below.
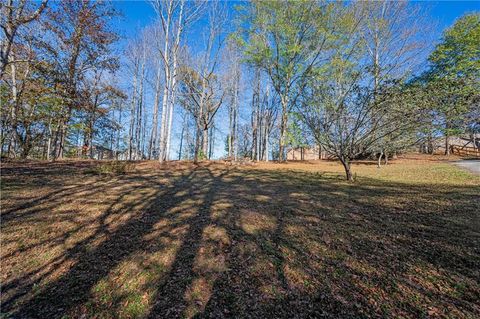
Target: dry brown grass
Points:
(214, 240)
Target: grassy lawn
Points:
(261, 241)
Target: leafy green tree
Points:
(286, 39)
(454, 77)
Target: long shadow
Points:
(24, 283)
(181, 274)
(388, 223)
(225, 302)
(73, 288)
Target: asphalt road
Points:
(471, 165)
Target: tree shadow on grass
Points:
(214, 242)
(73, 288)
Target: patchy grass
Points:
(112, 168)
(213, 240)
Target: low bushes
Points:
(112, 168)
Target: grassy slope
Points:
(278, 240)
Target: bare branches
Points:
(13, 17)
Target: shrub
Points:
(112, 168)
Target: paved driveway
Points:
(471, 165)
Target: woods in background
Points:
(358, 79)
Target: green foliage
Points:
(201, 155)
(296, 131)
(458, 55)
(283, 37)
(453, 81)
(112, 168)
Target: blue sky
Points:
(138, 14)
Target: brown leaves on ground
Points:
(213, 240)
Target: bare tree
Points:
(157, 65)
(203, 86)
(14, 14)
(134, 58)
(174, 18)
(354, 104)
(79, 41)
(233, 63)
(395, 35)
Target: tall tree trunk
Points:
(447, 145)
(235, 125)
(166, 89)
(173, 83)
(14, 108)
(139, 131)
(379, 162)
(163, 122)
(346, 165)
(254, 133)
(49, 140)
(230, 132)
(61, 142)
(117, 147)
(205, 142)
(132, 114)
(153, 134)
(267, 146)
(283, 128)
(181, 136)
(211, 142)
(198, 137)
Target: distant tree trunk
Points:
(379, 162)
(166, 23)
(447, 145)
(26, 146)
(205, 142)
(153, 134)
(346, 165)
(139, 131)
(163, 123)
(117, 147)
(254, 131)
(13, 115)
(283, 128)
(61, 141)
(181, 137)
(198, 136)
(230, 130)
(49, 140)
(132, 114)
(267, 146)
(144, 130)
(211, 142)
(255, 114)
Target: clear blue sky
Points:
(445, 12)
(139, 13)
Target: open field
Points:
(270, 240)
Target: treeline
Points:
(57, 70)
(357, 79)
